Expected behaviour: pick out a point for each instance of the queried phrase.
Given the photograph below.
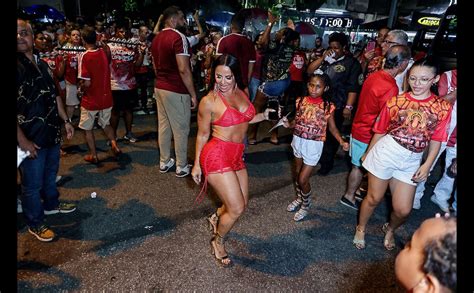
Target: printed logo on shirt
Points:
(339, 68)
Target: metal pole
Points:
(393, 13)
(79, 7)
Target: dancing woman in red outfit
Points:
(226, 112)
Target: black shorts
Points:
(124, 100)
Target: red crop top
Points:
(232, 116)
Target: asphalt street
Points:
(143, 231)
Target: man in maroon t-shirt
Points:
(94, 80)
(240, 47)
(174, 90)
(376, 90)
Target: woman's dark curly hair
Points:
(441, 260)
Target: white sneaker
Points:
(165, 167)
(183, 172)
(443, 206)
(301, 213)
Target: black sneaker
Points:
(42, 232)
(183, 172)
(348, 203)
(361, 195)
(63, 208)
(166, 167)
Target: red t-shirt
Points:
(376, 90)
(122, 67)
(413, 123)
(70, 74)
(164, 48)
(241, 48)
(297, 66)
(257, 67)
(94, 66)
(443, 87)
(312, 118)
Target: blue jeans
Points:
(253, 86)
(276, 88)
(38, 184)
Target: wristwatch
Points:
(349, 107)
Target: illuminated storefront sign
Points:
(330, 21)
(424, 20)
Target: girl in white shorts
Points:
(406, 126)
(313, 114)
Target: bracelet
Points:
(270, 23)
(349, 107)
(68, 120)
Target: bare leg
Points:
(114, 120)
(110, 133)
(128, 117)
(228, 188)
(303, 178)
(90, 139)
(375, 194)
(353, 182)
(402, 202)
(70, 111)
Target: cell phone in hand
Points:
(370, 46)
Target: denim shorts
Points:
(357, 149)
(275, 88)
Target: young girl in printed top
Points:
(313, 114)
(406, 126)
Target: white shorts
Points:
(387, 159)
(88, 117)
(71, 94)
(308, 150)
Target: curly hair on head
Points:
(441, 260)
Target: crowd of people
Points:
(402, 111)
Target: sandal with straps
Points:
(224, 260)
(359, 243)
(388, 243)
(213, 220)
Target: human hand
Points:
(369, 55)
(291, 24)
(451, 97)
(363, 157)
(194, 103)
(196, 173)
(421, 174)
(347, 113)
(266, 113)
(69, 130)
(345, 146)
(272, 18)
(286, 123)
(29, 146)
